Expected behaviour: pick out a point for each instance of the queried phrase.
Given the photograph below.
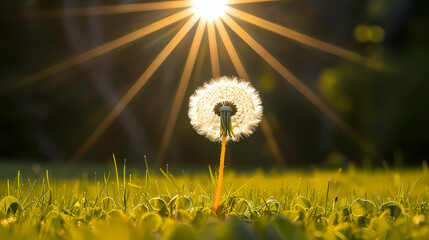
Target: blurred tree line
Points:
(49, 119)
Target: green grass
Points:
(351, 204)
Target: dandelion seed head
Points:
(243, 99)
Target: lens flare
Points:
(210, 9)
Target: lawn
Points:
(317, 204)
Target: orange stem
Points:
(220, 177)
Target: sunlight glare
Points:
(210, 9)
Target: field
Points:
(328, 204)
(313, 117)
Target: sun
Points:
(210, 9)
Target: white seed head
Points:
(241, 94)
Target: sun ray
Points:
(180, 94)
(83, 57)
(298, 85)
(132, 92)
(231, 50)
(272, 143)
(214, 58)
(112, 9)
(125, 8)
(286, 32)
(266, 129)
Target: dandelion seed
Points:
(226, 94)
(223, 109)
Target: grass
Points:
(352, 204)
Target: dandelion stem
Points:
(220, 176)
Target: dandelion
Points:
(237, 97)
(225, 109)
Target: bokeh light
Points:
(368, 33)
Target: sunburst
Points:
(211, 15)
